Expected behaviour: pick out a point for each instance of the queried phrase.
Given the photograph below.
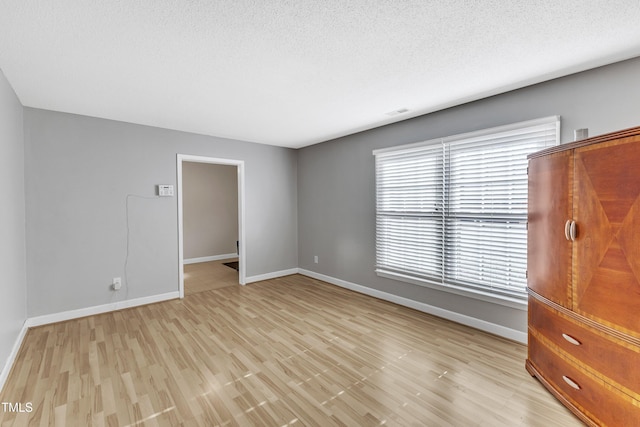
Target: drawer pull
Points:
(571, 339)
(571, 382)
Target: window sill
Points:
(479, 295)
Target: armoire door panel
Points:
(606, 281)
(550, 207)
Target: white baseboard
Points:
(209, 258)
(4, 374)
(98, 309)
(273, 275)
(482, 325)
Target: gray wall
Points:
(80, 171)
(209, 209)
(336, 180)
(13, 290)
(316, 201)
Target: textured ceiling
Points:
(293, 73)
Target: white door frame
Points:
(241, 226)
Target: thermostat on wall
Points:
(165, 190)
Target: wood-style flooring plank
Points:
(206, 276)
(288, 351)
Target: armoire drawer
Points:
(607, 356)
(599, 401)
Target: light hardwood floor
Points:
(206, 276)
(289, 351)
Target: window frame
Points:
(443, 282)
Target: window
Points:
(452, 212)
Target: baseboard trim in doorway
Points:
(99, 309)
(209, 258)
(463, 319)
(272, 275)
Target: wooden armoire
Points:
(584, 276)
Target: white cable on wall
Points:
(126, 259)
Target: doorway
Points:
(239, 165)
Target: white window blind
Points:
(452, 212)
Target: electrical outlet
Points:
(116, 284)
(315, 259)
